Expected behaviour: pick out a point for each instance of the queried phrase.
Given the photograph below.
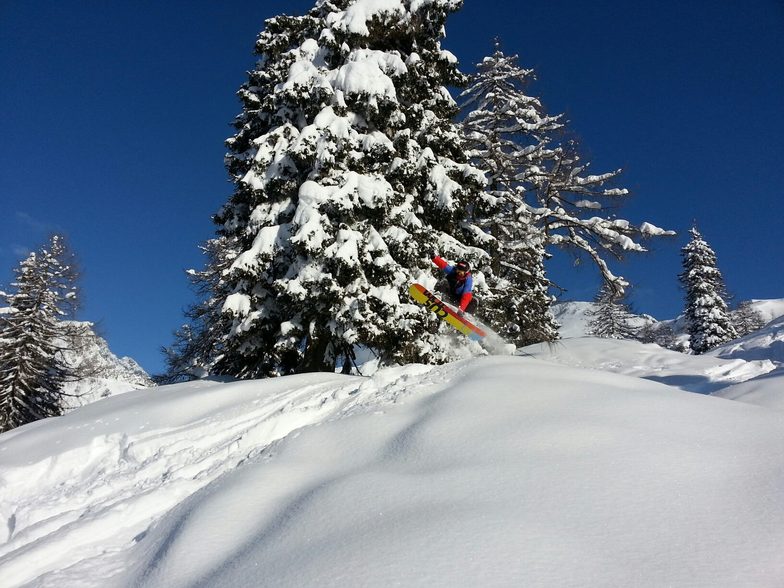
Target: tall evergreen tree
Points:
(610, 316)
(348, 171)
(708, 319)
(540, 173)
(506, 130)
(32, 336)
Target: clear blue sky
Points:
(113, 117)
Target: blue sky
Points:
(113, 117)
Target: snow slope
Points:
(767, 343)
(574, 316)
(495, 471)
(692, 373)
(770, 310)
(766, 390)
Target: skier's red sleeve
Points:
(465, 300)
(441, 263)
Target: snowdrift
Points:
(693, 373)
(497, 471)
(767, 343)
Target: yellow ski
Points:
(426, 298)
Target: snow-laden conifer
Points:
(708, 319)
(32, 336)
(348, 172)
(610, 317)
(507, 133)
(538, 174)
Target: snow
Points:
(769, 309)
(767, 390)
(693, 373)
(237, 303)
(264, 244)
(650, 230)
(767, 343)
(364, 77)
(575, 318)
(588, 463)
(444, 187)
(103, 374)
(355, 18)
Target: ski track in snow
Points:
(96, 498)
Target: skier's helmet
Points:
(463, 266)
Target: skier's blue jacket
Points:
(462, 287)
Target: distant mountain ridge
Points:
(105, 373)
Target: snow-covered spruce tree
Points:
(348, 171)
(746, 319)
(32, 334)
(543, 177)
(506, 130)
(610, 316)
(708, 320)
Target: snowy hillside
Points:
(574, 316)
(587, 463)
(769, 309)
(766, 390)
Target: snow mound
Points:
(693, 373)
(494, 471)
(767, 390)
(767, 343)
(503, 478)
(86, 484)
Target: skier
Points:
(458, 285)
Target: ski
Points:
(429, 300)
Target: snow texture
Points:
(585, 463)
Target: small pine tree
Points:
(32, 336)
(611, 317)
(708, 319)
(746, 319)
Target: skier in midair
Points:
(458, 285)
